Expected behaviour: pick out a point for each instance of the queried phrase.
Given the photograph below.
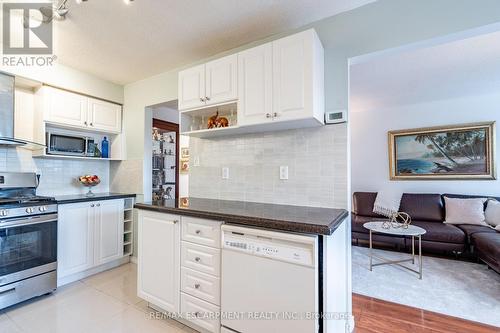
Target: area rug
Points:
(456, 288)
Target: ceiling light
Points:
(127, 2)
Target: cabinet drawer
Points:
(200, 231)
(201, 258)
(200, 313)
(201, 285)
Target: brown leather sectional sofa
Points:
(428, 211)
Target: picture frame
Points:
(455, 152)
(185, 152)
(184, 166)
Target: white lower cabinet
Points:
(89, 234)
(177, 271)
(201, 313)
(158, 268)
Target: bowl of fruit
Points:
(89, 181)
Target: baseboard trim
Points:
(133, 260)
(61, 281)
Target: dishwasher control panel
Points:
(297, 253)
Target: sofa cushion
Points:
(465, 211)
(440, 232)
(423, 207)
(362, 204)
(488, 243)
(492, 213)
(471, 229)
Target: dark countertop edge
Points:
(282, 225)
(98, 197)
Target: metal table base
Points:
(399, 262)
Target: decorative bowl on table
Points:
(89, 181)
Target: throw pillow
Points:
(492, 213)
(465, 211)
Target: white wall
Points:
(378, 26)
(369, 150)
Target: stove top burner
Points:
(25, 200)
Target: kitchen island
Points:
(198, 244)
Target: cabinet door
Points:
(75, 238)
(293, 64)
(192, 88)
(221, 80)
(105, 116)
(159, 259)
(65, 108)
(108, 231)
(255, 85)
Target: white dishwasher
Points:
(269, 281)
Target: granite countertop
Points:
(310, 220)
(66, 199)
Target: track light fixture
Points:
(60, 9)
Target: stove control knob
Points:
(42, 208)
(30, 210)
(3, 212)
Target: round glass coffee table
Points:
(412, 230)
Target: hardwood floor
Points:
(377, 316)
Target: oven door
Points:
(28, 247)
(60, 144)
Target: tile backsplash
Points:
(316, 159)
(58, 176)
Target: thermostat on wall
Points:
(335, 116)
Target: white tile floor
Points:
(106, 302)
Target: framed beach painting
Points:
(449, 152)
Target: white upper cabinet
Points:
(192, 88)
(221, 80)
(68, 109)
(104, 116)
(276, 86)
(255, 79)
(212, 83)
(64, 107)
(297, 74)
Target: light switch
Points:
(225, 173)
(283, 172)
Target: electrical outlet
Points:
(225, 173)
(283, 172)
(196, 161)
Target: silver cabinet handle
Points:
(91, 124)
(275, 115)
(202, 99)
(197, 259)
(198, 232)
(98, 205)
(85, 123)
(207, 98)
(175, 221)
(268, 115)
(197, 286)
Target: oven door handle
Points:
(19, 222)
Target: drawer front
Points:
(200, 231)
(204, 286)
(201, 258)
(200, 313)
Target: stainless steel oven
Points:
(67, 144)
(28, 241)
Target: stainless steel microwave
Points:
(64, 144)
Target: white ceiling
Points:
(465, 67)
(125, 43)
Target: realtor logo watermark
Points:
(27, 34)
